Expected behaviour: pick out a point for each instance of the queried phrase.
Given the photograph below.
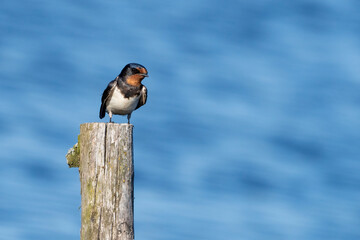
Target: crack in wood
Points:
(99, 230)
(105, 138)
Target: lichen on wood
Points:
(73, 156)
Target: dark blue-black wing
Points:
(106, 95)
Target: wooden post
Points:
(105, 151)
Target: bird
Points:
(125, 93)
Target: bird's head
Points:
(133, 74)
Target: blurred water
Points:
(250, 130)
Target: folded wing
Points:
(106, 95)
(143, 97)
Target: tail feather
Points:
(102, 111)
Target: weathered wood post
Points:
(105, 155)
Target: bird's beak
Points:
(144, 74)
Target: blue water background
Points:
(251, 130)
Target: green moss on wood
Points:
(90, 211)
(73, 155)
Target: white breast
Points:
(120, 105)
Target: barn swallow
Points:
(125, 93)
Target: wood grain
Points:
(107, 181)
